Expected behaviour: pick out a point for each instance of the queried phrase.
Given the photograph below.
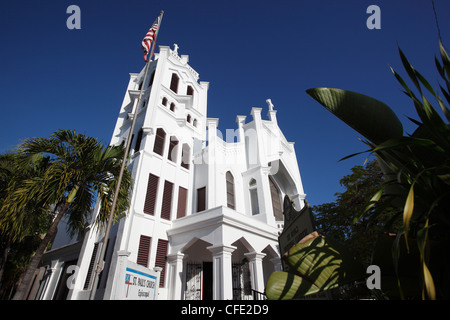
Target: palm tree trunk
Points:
(4, 258)
(29, 273)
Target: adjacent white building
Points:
(206, 208)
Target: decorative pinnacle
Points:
(269, 102)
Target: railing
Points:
(258, 295)
(238, 294)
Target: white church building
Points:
(206, 207)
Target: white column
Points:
(256, 113)
(175, 286)
(256, 270)
(240, 120)
(222, 274)
(211, 193)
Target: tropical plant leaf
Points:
(287, 286)
(370, 205)
(429, 283)
(407, 212)
(368, 116)
(315, 264)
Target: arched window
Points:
(172, 106)
(174, 83)
(190, 91)
(173, 150)
(164, 101)
(276, 201)
(159, 141)
(230, 190)
(185, 156)
(195, 123)
(188, 118)
(253, 197)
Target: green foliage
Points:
(32, 218)
(315, 264)
(78, 172)
(336, 219)
(416, 167)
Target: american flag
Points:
(150, 37)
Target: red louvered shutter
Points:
(182, 198)
(161, 258)
(172, 155)
(174, 83)
(150, 197)
(201, 199)
(185, 156)
(167, 200)
(230, 190)
(143, 251)
(159, 142)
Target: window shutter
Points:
(172, 156)
(190, 91)
(182, 198)
(276, 201)
(87, 282)
(161, 258)
(185, 156)
(159, 142)
(201, 199)
(137, 147)
(150, 198)
(144, 250)
(167, 200)
(230, 190)
(174, 83)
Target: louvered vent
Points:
(182, 198)
(144, 250)
(150, 197)
(161, 258)
(167, 200)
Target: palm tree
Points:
(33, 219)
(80, 172)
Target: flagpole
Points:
(100, 261)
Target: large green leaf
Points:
(368, 116)
(287, 286)
(315, 264)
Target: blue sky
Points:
(54, 78)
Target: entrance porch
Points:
(220, 254)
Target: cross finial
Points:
(269, 102)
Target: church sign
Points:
(297, 225)
(136, 282)
(140, 285)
